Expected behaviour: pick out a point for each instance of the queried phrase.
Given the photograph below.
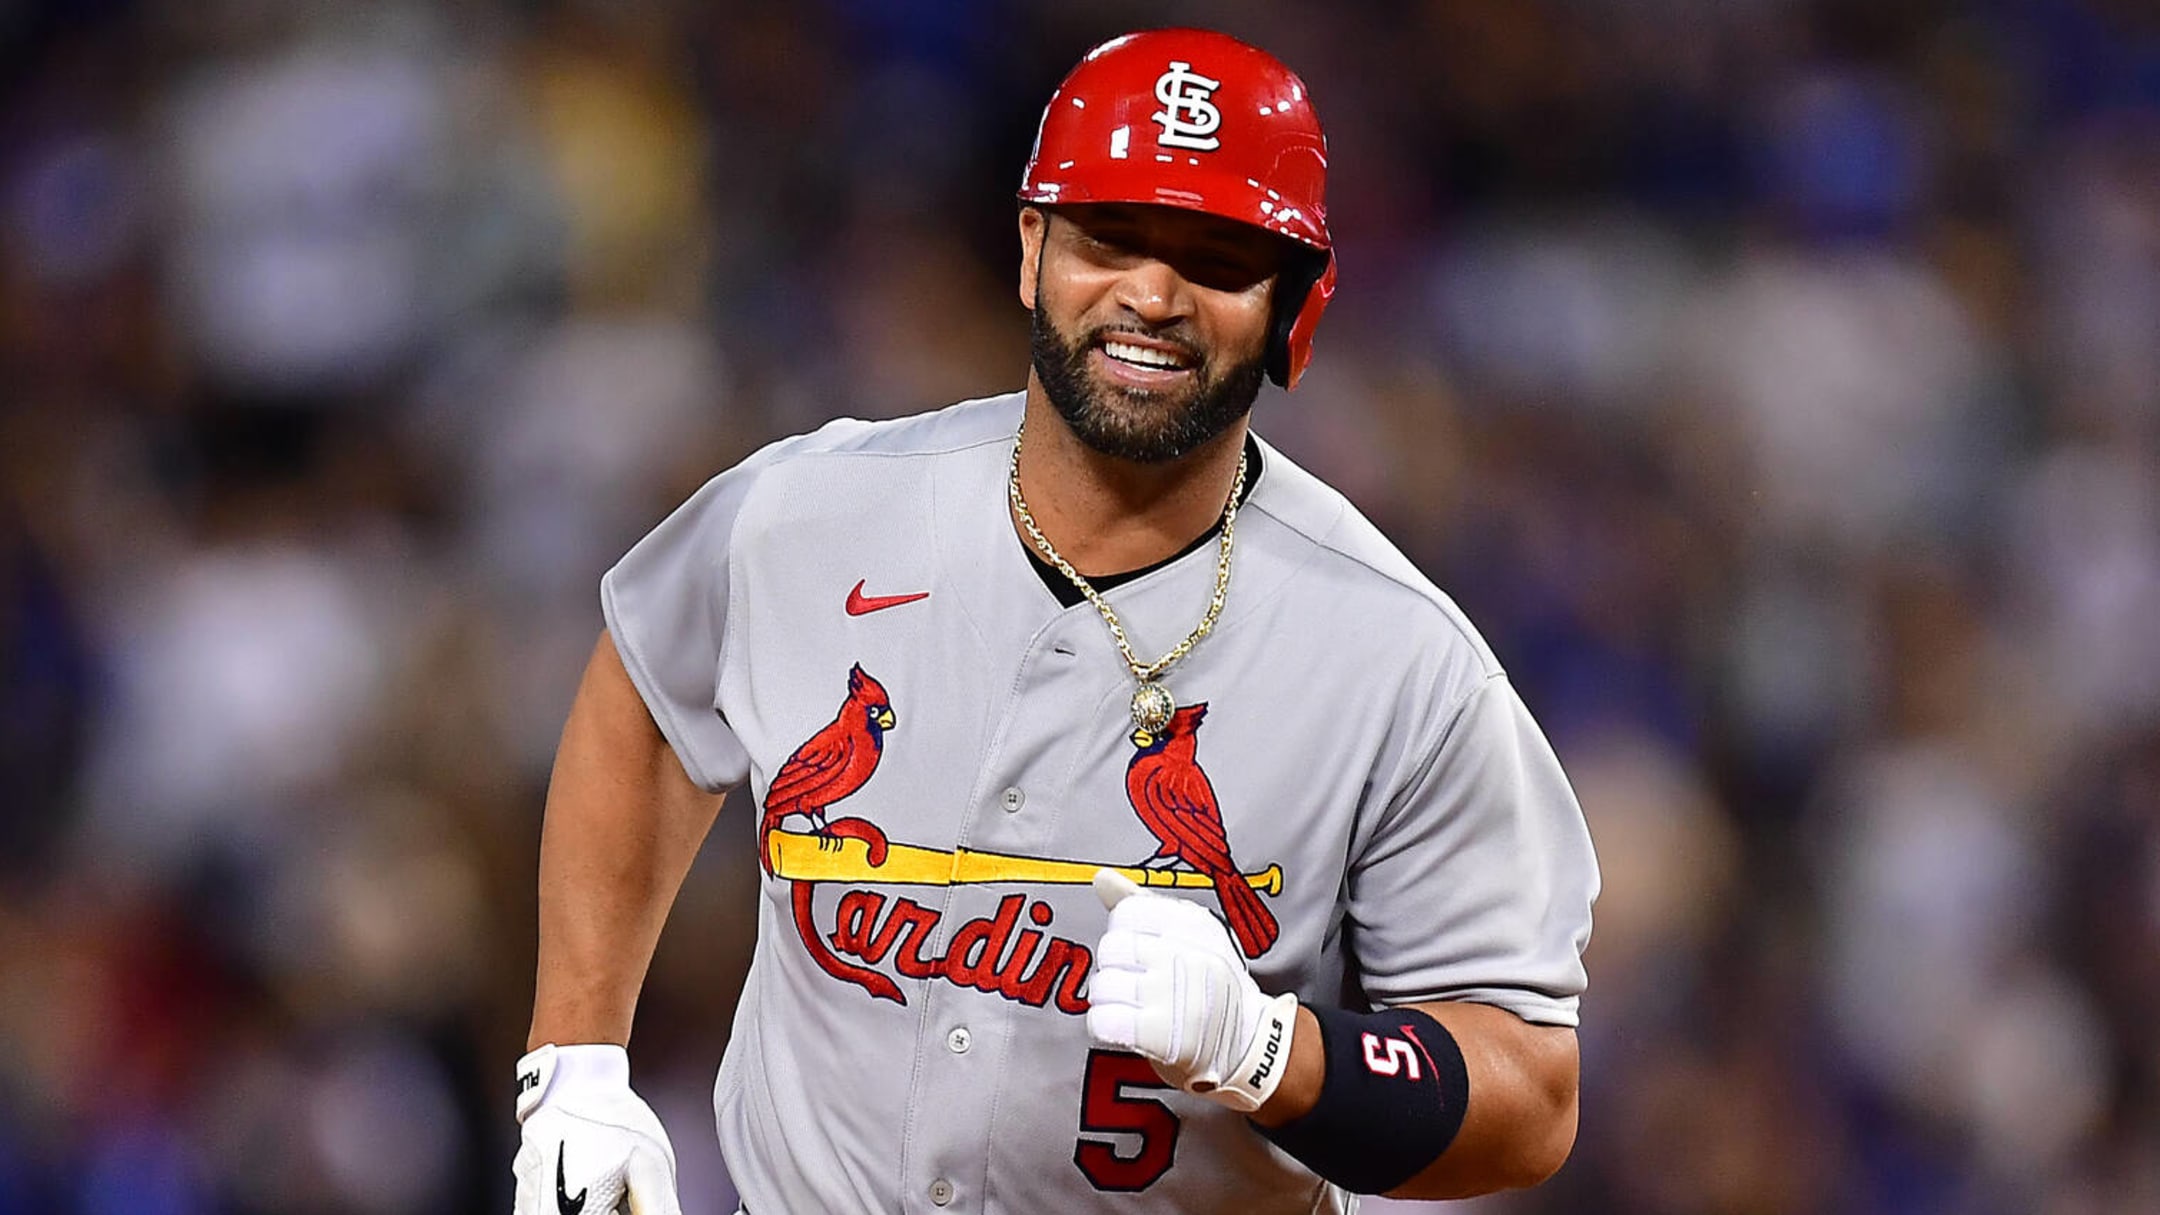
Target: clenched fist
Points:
(1170, 985)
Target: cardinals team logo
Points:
(837, 761)
(1173, 796)
(1011, 952)
(1189, 117)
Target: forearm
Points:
(1519, 1125)
(622, 825)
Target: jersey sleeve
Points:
(666, 608)
(1477, 882)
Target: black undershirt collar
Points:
(1069, 595)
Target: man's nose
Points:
(1152, 290)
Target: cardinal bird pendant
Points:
(1152, 706)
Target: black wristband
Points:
(1391, 1100)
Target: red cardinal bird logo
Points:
(1173, 797)
(836, 762)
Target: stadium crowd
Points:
(1776, 382)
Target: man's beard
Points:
(1143, 427)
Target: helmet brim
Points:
(1240, 200)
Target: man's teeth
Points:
(1142, 355)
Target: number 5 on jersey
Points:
(1106, 1111)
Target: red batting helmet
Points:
(1199, 120)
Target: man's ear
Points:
(1034, 226)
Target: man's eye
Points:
(1229, 272)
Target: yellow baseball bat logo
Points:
(804, 857)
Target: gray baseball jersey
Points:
(942, 755)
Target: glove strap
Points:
(1260, 1070)
(556, 1069)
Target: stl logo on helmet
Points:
(1188, 117)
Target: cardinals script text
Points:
(993, 953)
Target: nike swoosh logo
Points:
(563, 1202)
(1410, 1032)
(859, 604)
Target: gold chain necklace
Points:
(1152, 704)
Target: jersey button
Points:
(959, 1040)
(941, 1191)
(1013, 799)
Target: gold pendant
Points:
(1152, 706)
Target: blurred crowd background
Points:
(1777, 382)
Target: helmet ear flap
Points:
(1299, 297)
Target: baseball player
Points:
(1138, 830)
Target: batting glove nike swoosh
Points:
(590, 1144)
(1170, 985)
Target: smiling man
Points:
(1145, 380)
(1139, 830)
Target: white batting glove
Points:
(1170, 985)
(590, 1144)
